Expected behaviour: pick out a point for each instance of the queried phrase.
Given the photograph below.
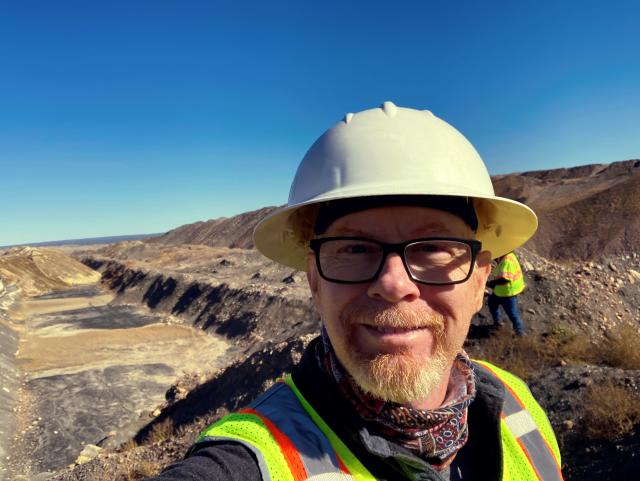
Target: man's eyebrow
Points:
(417, 232)
(350, 231)
(437, 226)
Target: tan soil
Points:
(33, 307)
(60, 348)
(39, 270)
(102, 379)
(91, 349)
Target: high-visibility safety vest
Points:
(508, 268)
(291, 442)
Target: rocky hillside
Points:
(39, 270)
(230, 232)
(236, 293)
(585, 212)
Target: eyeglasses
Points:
(430, 260)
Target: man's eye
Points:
(430, 248)
(356, 249)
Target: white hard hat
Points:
(391, 151)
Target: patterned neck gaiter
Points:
(435, 435)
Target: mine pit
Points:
(92, 371)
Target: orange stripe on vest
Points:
(289, 451)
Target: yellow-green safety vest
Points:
(508, 268)
(291, 442)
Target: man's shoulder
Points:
(497, 379)
(226, 461)
(516, 394)
(496, 385)
(490, 391)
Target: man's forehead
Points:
(332, 211)
(410, 221)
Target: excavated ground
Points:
(93, 373)
(9, 383)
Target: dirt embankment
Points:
(244, 306)
(75, 370)
(39, 270)
(585, 212)
(235, 231)
(9, 384)
(190, 408)
(25, 271)
(92, 373)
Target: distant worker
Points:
(507, 283)
(393, 216)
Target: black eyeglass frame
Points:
(399, 248)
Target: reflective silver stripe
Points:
(264, 471)
(511, 405)
(543, 461)
(283, 409)
(520, 423)
(524, 428)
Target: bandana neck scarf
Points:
(435, 435)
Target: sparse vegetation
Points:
(128, 445)
(525, 355)
(611, 411)
(138, 470)
(621, 348)
(160, 432)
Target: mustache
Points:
(392, 316)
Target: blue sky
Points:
(136, 117)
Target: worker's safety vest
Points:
(291, 442)
(508, 268)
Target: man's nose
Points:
(393, 284)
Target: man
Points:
(507, 284)
(393, 217)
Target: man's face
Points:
(398, 338)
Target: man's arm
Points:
(215, 462)
(496, 282)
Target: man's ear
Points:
(481, 274)
(312, 274)
(483, 262)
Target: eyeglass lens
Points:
(432, 261)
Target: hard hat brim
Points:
(504, 225)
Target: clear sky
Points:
(136, 117)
